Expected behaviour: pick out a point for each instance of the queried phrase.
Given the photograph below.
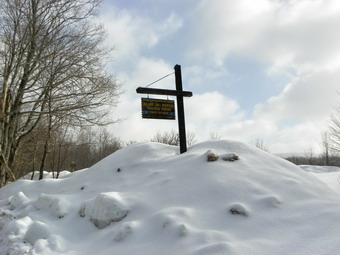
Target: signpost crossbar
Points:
(168, 92)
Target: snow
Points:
(36, 231)
(329, 175)
(148, 199)
(104, 209)
(52, 203)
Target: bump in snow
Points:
(239, 209)
(37, 230)
(104, 209)
(124, 231)
(18, 200)
(51, 203)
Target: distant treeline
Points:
(314, 160)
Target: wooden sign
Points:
(158, 109)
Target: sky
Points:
(258, 69)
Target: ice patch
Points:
(104, 209)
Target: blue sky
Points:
(258, 69)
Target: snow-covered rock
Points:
(230, 157)
(37, 230)
(19, 200)
(104, 209)
(212, 156)
(239, 209)
(52, 203)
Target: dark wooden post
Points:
(180, 110)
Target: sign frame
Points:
(154, 108)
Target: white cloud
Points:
(208, 112)
(309, 97)
(300, 34)
(200, 77)
(297, 138)
(130, 33)
(211, 107)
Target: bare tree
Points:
(52, 68)
(172, 138)
(309, 155)
(214, 136)
(325, 143)
(106, 144)
(334, 131)
(260, 144)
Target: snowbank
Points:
(148, 199)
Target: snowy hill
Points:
(147, 199)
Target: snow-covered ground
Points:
(147, 199)
(330, 175)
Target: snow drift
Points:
(147, 199)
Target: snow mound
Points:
(19, 227)
(125, 230)
(37, 230)
(51, 203)
(19, 200)
(13, 232)
(147, 199)
(104, 209)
